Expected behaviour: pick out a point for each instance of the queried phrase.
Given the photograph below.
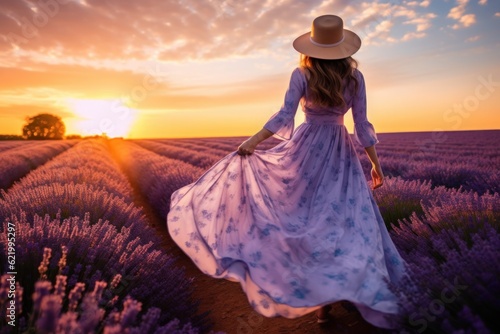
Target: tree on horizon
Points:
(44, 126)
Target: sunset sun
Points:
(97, 117)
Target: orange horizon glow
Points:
(97, 117)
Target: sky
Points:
(192, 68)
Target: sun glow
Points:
(98, 117)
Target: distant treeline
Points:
(19, 137)
(11, 137)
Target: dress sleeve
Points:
(364, 132)
(282, 122)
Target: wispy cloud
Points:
(458, 13)
(180, 30)
(412, 35)
(150, 29)
(380, 21)
(473, 38)
(423, 22)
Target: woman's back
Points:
(352, 94)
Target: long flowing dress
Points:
(295, 225)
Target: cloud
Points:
(458, 13)
(422, 22)
(412, 35)
(497, 14)
(150, 29)
(21, 111)
(465, 21)
(376, 21)
(483, 2)
(473, 38)
(95, 31)
(459, 10)
(72, 79)
(267, 88)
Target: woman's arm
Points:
(248, 146)
(376, 172)
(280, 124)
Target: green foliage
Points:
(44, 126)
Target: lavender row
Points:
(223, 144)
(453, 258)
(476, 173)
(80, 257)
(195, 158)
(17, 162)
(197, 147)
(13, 144)
(459, 160)
(85, 181)
(157, 176)
(82, 180)
(466, 160)
(401, 199)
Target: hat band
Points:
(326, 45)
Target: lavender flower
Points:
(111, 253)
(116, 280)
(75, 295)
(131, 309)
(49, 314)
(62, 261)
(68, 324)
(60, 287)
(42, 269)
(452, 272)
(42, 289)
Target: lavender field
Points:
(89, 259)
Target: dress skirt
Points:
(295, 225)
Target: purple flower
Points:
(75, 295)
(50, 310)
(42, 269)
(131, 309)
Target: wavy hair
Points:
(328, 78)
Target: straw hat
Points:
(328, 39)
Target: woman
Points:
(297, 225)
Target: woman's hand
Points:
(247, 147)
(377, 176)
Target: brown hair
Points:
(326, 79)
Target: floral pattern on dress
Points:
(295, 225)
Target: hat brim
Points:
(349, 46)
